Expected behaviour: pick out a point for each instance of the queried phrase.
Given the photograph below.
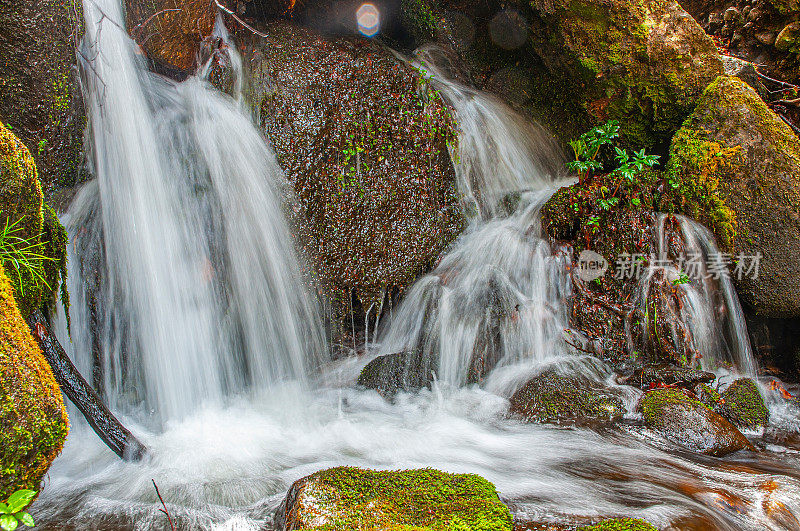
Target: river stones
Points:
(689, 423)
(555, 399)
(354, 498)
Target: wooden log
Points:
(110, 430)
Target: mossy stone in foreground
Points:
(347, 498)
(33, 421)
(743, 405)
(621, 524)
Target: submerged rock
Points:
(389, 374)
(353, 498)
(653, 375)
(735, 143)
(743, 405)
(555, 399)
(689, 423)
(40, 97)
(33, 420)
(363, 140)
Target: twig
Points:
(778, 81)
(240, 21)
(789, 123)
(792, 103)
(150, 18)
(164, 510)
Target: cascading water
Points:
(199, 292)
(226, 464)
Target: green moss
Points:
(621, 524)
(742, 404)
(419, 18)
(655, 401)
(353, 498)
(33, 421)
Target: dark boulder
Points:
(555, 399)
(406, 371)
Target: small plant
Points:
(12, 512)
(683, 278)
(22, 254)
(587, 148)
(631, 165)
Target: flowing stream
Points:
(207, 344)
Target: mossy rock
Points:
(651, 376)
(171, 31)
(620, 524)
(353, 498)
(22, 207)
(740, 166)
(552, 398)
(743, 405)
(40, 97)
(33, 420)
(690, 423)
(364, 141)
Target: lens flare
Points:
(369, 20)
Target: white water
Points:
(201, 293)
(225, 456)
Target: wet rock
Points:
(767, 38)
(555, 399)
(687, 422)
(620, 524)
(653, 375)
(23, 210)
(744, 70)
(40, 98)
(735, 144)
(731, 14)
(170, 31)
(389, 374)
(363, 140)
(353, 498)
(743, 405)
(788, 40)
(33, 420)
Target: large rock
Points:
(551, 398)
(33, 421)
(36, 273)
(353, 498)
(734, 142)
(743, 405)
(578, 62)
(170, 31)
(364, 141)
(689, 423)
(40, 98)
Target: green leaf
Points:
(20, 499)
(8, 522)
(26, 519)
(4, 509)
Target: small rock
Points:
(743, 405)
(767, 38)
(395, 372)
(731, 14)
(689, 423)
(651, 375)
(554, 399)
(788, 40)
(354, 498)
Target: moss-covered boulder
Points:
(743, 405)
(170, 31)
(425, 500)
(552, 398)
(689, 423)
(620, 524)
(40, 98)
(734, 142)
(37, 273)
(33, 421)
(364, 140)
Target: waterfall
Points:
(187, 271)
(499, 295)
(709, 306)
